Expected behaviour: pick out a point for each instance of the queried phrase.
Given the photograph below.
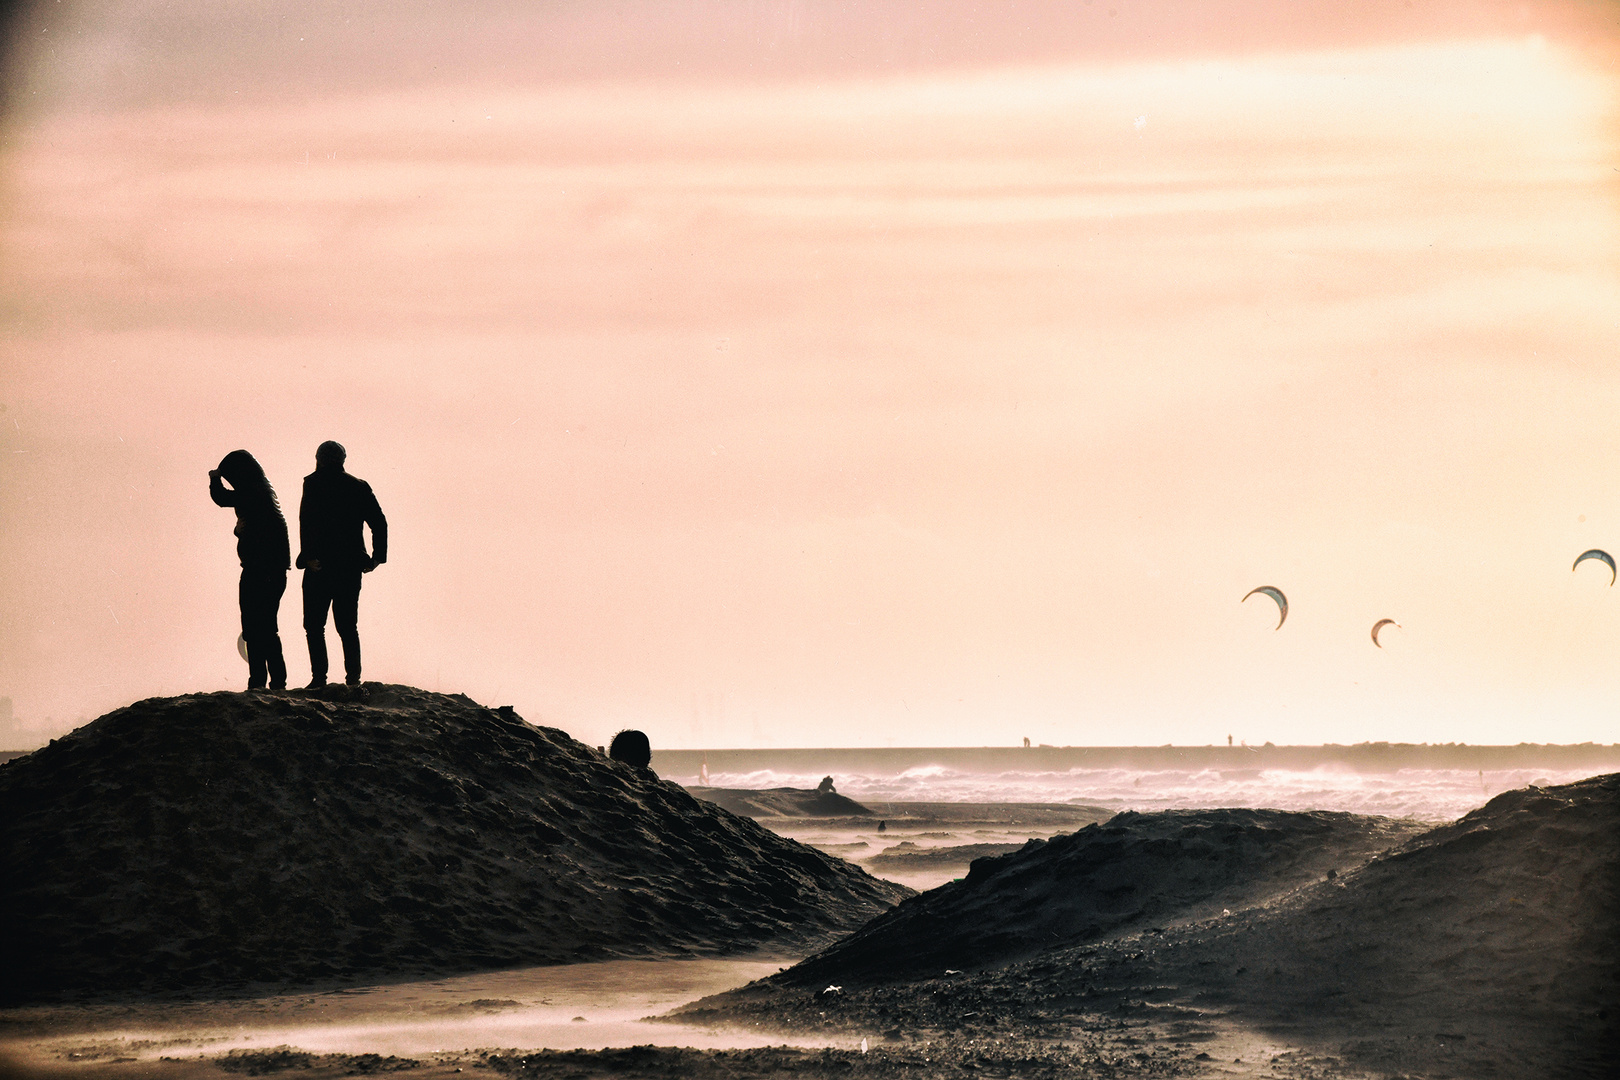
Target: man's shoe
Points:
(315, 684)
(353, 680)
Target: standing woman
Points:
(261, 544)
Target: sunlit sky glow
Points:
(945, 399)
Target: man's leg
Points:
(317, 599)
(346, 617)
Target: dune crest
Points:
(1131, 872)
(1486, 947)
(229, 839)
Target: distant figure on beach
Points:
(332, 555)
(632, 748)
(826, 786)
(262, 547)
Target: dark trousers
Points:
(260, 595)
(340, 591)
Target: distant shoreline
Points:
(1360, 757)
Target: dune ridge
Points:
(1134, 870)
(235, 839)
(1486, 947)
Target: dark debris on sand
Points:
(1489, 947)
(224, 840)
(283, 1058)
(1026, 1059)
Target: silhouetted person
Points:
(261, 545)
(631, 747)
(332, 554)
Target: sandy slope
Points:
(1485, 948)
(1133, 871)
(1493, 943)
(225, 839)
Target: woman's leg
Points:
(274, 660)
(261, 594)
(250, 595)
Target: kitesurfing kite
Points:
(1379, 625)
(1277, 595)
(1600, 555)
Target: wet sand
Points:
(562, 1007)
(512, 1024)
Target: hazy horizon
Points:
(793, 374)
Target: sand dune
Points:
(1134, 870)
(1487, 947)
(219, 840)
(1492, 943)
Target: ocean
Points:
(1427, 783)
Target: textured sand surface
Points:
(1135, 870)
(233, 839)
(1489, 947)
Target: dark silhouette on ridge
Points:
(262, 547)
(632, 748)
(332, 554)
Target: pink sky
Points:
(761, 374)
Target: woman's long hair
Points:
(246, 475)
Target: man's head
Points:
(330, 456)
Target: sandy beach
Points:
(330, 909)
(1487, 947)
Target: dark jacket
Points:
(261, 531)
(329, 519)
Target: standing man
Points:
(333, 557)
